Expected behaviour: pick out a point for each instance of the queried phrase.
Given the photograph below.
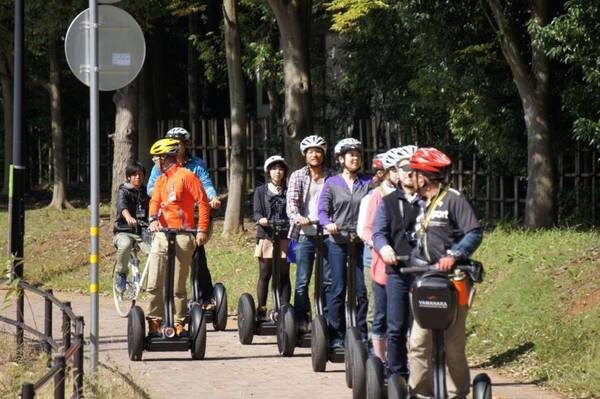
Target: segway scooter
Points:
(195, 342)
(282, 322)
(320, 351)
(218, 315)
(434, 305)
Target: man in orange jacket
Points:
(176, 192)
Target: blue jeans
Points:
(398, 321)
(305, 256)
(336, 295)
(378, 330)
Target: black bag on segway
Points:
(433, 301)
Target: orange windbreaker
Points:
(173, 198)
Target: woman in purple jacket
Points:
(338, 212)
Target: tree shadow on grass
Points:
(508, 356)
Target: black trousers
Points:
(204, 278)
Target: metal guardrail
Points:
(72, 345)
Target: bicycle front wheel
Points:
(123, 299)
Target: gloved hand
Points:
(388, 255)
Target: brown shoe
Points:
(180, 330)
(153, 328)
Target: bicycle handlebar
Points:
(129, 229)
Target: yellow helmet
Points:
(165, 147)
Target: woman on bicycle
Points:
(132, 207)
(269, 208)
(338, 212)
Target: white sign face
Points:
(121, 48)
(121, 59)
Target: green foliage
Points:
(347, 13)
(572, 39)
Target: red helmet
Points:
(431, 161)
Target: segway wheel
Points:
(349, 343)
(319, 344)
(397, 387)
(220, 319)
(246, 319)
(136, 333)
(286, 331)
(359, 360)
(375, 378)
(197, 333)
(482, 387)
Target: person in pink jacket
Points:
(390, 162)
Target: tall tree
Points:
(532, 79)
(234, 214)
(54, 86)
(124, 137)
(294, 18)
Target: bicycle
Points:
(136, 278)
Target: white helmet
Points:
(178, 133)
(345, 145)
(274, 159)
(378, 161)
(313, 141)
(402, 153)
(390, 158)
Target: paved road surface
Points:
(230, 370)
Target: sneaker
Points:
(261, 314)
(121, 282)
(209, 305)
(336, 343)
(181, 331)
(154, 328)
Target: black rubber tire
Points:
(397, 387)
(359, 378)
(246, 319)
(136, 333)
(349, 343)
(197, 333)
(375, 384)
(286, 331)
(220, 316)
(482, 387)
(319, 344)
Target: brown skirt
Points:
(264, 249)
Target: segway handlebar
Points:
(168, 230)
(472, 267)
(132, 229)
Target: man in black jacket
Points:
(132, 206)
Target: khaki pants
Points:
(124, 243)
(184, 250)
(419, 359)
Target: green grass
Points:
(538, 313)
(536, 316)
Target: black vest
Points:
(402, 216)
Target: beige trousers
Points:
(420, 355)
(184, 251)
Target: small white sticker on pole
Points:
(121, 59)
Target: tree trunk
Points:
(7, 102)
(147, 132)
(59, 185)
(532, 80)
(193, 78)
(126, 103)
(234, 215)
(294, 19)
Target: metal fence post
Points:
(59, 377)
(27, 391)
(48, 323)
(66, 327)
(78, 359)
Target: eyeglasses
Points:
(406, 168)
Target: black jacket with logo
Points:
(134, 200)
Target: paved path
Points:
(230, 370)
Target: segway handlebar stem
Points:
(167, 230)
